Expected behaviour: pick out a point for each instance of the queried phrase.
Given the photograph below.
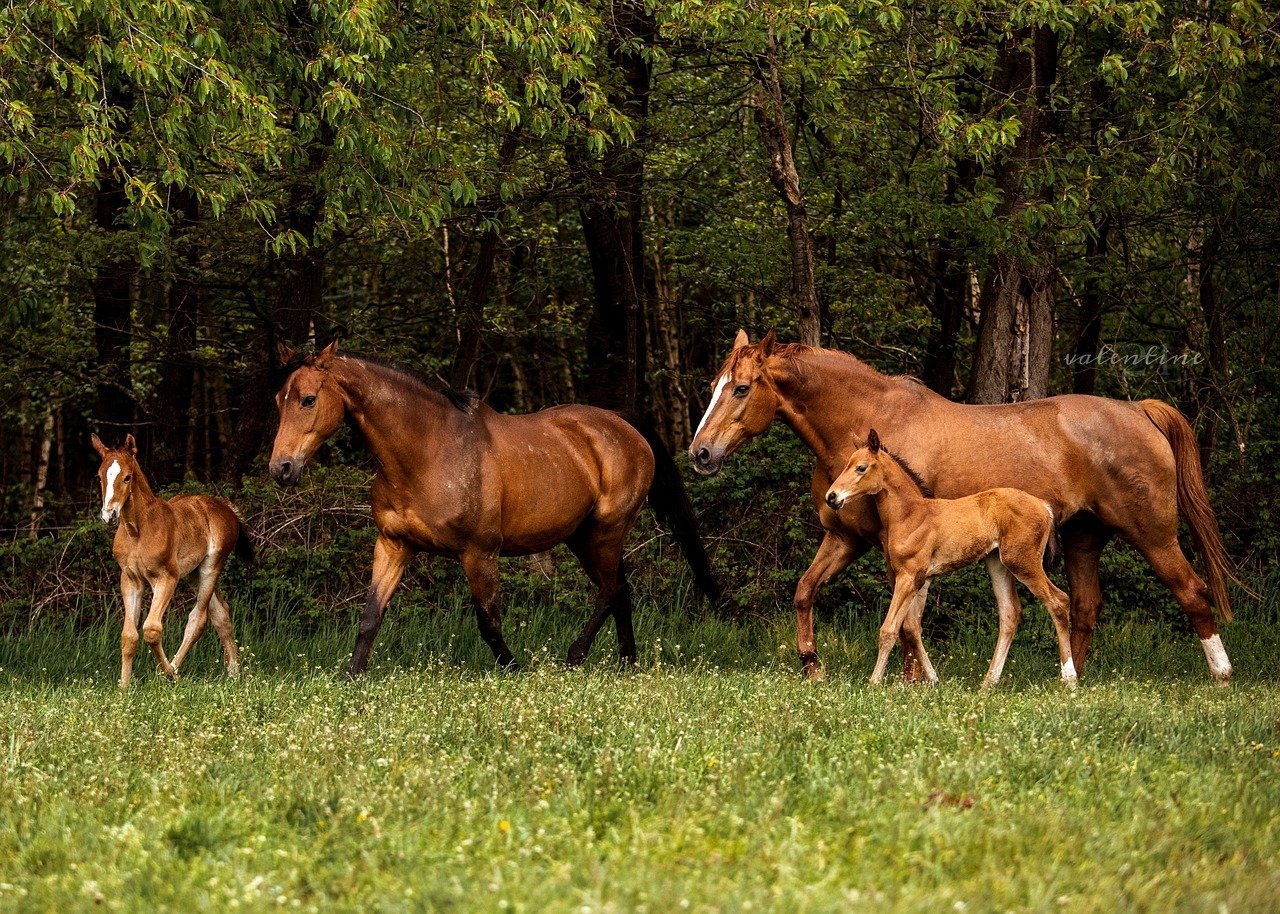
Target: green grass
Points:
(711, 779)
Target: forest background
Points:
(577, 200)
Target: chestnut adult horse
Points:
(456, 478)
(1105, 466)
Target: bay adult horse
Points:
(456, 478)
(1105, 466)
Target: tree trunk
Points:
(1015, 331)
(671, 401)
(767, 105)
(113, 317)
(612, 217)
(950, 292)
(1211, 402)
(171, 451)
(41, 471)
(1085, 375)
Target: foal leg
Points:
(904, 594)
(390, 558)
(913, 642)
(482, 578)
(837, 552)
(199, 617)
(1010, 609)
(131, 592)
(1059, 606)
(162, 588)
(1083, 539)
(226, 634)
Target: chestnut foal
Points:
(925, 537)
(160, 542)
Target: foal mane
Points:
(907, 468)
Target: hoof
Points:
(814, 673)
(575, 657)
(233, 670)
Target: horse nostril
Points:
(832, 500)
(286, 470)
(704, 456)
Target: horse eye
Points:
(862, 469)
(741, 390)
(128, 476)
(308, 401)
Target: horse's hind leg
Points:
(482, 578)
(600, 552)
(199, 617)
(1010, 609)
(1176, 573)
(226, 633)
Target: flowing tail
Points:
(670, 501)
(1193, 500)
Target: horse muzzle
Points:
(286, 471)
(836, 500)
(706, 461)
(109, 515)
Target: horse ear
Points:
(325, 354)
(284, 352)
(741, 340)
(766, 345)
(130, 445)
(98, 445)
(873, 441)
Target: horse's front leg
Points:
(131, 592)
(482, 578)
(162, 588)
(390, 558)
(837, 552)
(904, 595)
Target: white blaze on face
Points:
(715, 398)
(112, 472)
(1214, 652)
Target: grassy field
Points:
(712, 779)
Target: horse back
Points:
(203, 525)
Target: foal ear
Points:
(325, 354)
(98, 445)
(284, 352)
(766, 345)
(130, 445)
(873, 441)
(741, 340)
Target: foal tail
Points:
(670, 501)
(1193, 500)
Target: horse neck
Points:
(141, 500)
(390, 412)
(900, 496)
(829, 400)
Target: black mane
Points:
(464, 401)
(910, 471)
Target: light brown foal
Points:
(160, 542)
(925, 537)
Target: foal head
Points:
(862, 475)
(116, 475)
(311, 408)
(743, 403)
